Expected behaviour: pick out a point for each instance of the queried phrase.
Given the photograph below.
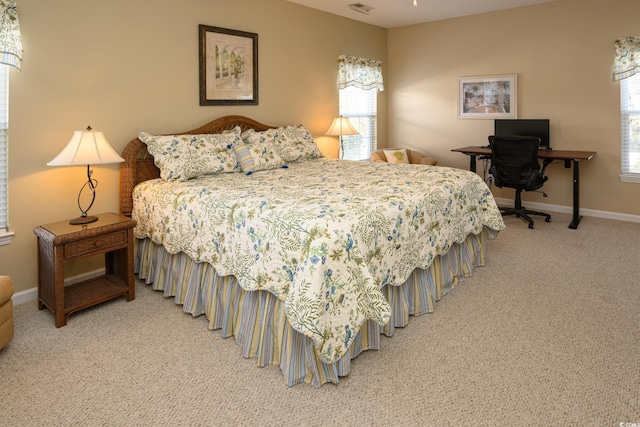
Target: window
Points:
(360, 106)
(626, 69)
(4, 158)
(11, 55)
(359, 79)
(630, 113)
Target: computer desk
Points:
(569, 157)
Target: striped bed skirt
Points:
(257, 319)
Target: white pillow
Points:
(396, 156)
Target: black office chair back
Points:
(514, 162)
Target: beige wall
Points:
(562, 53)
(123, 66)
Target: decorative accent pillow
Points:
(295, 143)
(396, 156)
(257, 157)
(183, 157)
(244, 157)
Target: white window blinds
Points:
(361, 107)
(11, 55)
(4, 147)
(626, 68)
(359, 80)
(630, 114)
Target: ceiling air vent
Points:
(362, 8)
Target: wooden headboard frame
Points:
(138, 164)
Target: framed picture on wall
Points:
(228, 66)
(487, 97)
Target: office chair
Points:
(514, 164)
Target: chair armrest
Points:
(375, 157)
(426, 160)
(417, 158)
(545, 163)
(6, 289)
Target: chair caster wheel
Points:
(547, 219)
(531, 226)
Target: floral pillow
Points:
(183, 157)
(258, 156)
(251, 136)
(295, 143)
(396, 156)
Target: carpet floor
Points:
(546, 334)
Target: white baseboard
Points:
(569, 210)
(24, 296)
(32, 294)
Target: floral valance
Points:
(627, 61)
(359, 72)
(10, 39)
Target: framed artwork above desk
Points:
(487, 97)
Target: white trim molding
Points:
(569, 210)
(6, 237)
(630, 177)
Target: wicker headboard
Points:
(138, 164)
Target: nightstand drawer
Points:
(93, 244)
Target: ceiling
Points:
(398, 13)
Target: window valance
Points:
(10, 39)
(359, 72)
(627, 60)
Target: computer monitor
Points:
(524, 127)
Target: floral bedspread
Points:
(323, 235)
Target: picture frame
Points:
(488, 97)
(228, 66)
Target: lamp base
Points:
(83, 220)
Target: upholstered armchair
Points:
(412, 156)
(6, 310)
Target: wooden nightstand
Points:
(61, 242)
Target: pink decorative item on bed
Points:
(301, 261)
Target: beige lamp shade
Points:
(87, 147)
(341, 126)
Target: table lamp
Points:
(87, 147)
(341, 126)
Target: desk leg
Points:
(576, 195)
(472, 162)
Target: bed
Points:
(305, 260)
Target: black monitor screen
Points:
(524, 127)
